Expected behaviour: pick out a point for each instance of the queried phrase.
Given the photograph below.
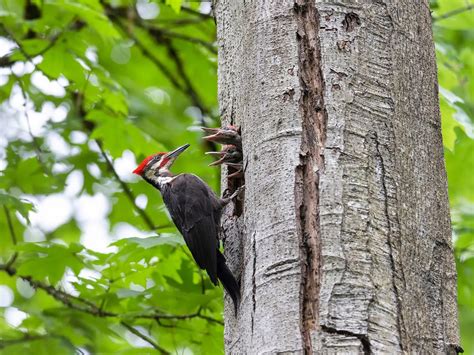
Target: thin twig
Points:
(126, 189)
(83, 305)
(25, 98)
(179, 22)
(34, 139)
(162, 316)
(13, 258)
(5, 61)
(144, 337)
(62, 296)
(453, 13)
(10, 225)
(154, 31)
(27, 337)
(210, 319)
(197, 13)
(128, 192)
(165, 71)
(189, 90)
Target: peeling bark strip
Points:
(314, 119)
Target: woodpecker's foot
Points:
(237, 192)
(226, 200)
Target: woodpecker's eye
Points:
(155, 160)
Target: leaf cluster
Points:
(89, 259)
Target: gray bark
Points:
(344, 243)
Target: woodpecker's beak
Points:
(174, 154)
(222, 156)
(216, 153)
(212, 133)
(224, 135)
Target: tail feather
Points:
(228, 280)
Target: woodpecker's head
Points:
(158, 165)
(225, 135)
(229, 154)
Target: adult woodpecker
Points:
(196, 211)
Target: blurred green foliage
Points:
(130, 78)
(88, 85)
(453, 28)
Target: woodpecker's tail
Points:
(228, 280)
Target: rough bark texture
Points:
(344, 242)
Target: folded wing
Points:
(195, 212)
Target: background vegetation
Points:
(89, 261)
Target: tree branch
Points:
(189, 90)
(27, 337)
(157, 35)
(197, 13)
(159, 32)
(144, 337)
(453, 13)
(146, 52)
(34, 139)
(162, 316)
(148, 221)
(126, 189)
(83, 305)
(10, 225)
(5, 60)
(179, 21)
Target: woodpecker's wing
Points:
(195, 210)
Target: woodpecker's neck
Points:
(159, 180)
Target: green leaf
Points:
(49, 261)
(130, 105)
(460, 166)
(150, 242)
(118, 134)
(448, 122)
(60, 61)
(22, 206)
(91, 12)
(127, 293)
(33, 46)
(175, 5)
(454, 14)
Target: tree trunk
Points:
(344, 243)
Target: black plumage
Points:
(196, 211)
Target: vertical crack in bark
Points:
(254, 284)
(314, 119)
(383, 171)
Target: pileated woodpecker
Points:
(225, 135)
(196, 211)
(229, 154)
